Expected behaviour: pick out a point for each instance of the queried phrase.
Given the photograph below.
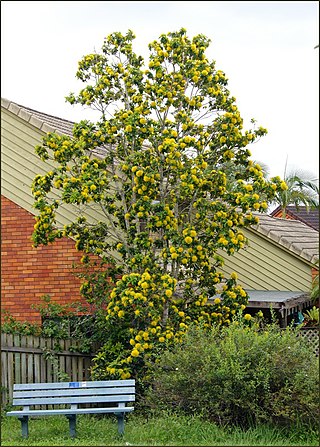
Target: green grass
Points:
(166, 430)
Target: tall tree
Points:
(153, 164)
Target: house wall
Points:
(28, 273)
(20, 165)
(263, 265)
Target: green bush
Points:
(239, 375)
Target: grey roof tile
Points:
(14, 108)
(35, 121)
(5, 103)
(24, 115)
(46, 128)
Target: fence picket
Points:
(4, 370)
(43, 366)
(30, 360)
(48, 363)
(36, 357)
(68, 358)
(74, 369)
(62, 358)
(10, 365)
(23, 344)
(17, 360)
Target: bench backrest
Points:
(74, 393)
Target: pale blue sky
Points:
(266, 50)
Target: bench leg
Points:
(72, 424)
(24, 426)
(120, 417)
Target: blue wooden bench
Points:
(111, 396)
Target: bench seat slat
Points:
(73, 400)
(62, 385)
(70, 411)
(74, 392)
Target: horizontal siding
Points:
(20, 165)
(264, 266)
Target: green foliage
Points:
(301, 190)
(312, 316)
(60, 321)
(239, 375)
(153, 166)
(12, 326)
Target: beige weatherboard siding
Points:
(279, 256)
(20, 133)
(264, 266)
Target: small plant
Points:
(51, 356)
(311, 317)
(12, 326)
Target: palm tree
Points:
(302, 190)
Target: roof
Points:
(304, 214)
(295, 236)
(276, 298)
(43, 121)
(46, 123)
(282, 300)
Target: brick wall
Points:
(314, 273)
(28, 273)
(288, 216)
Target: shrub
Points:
(239, 375)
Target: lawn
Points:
(165, 430)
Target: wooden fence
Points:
(31, 359)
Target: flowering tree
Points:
(153, 164)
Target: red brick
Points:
(28, 273)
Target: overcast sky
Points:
(266, 50)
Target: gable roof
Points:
(308, 216)
(293, 235)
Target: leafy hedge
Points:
(239, 375)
